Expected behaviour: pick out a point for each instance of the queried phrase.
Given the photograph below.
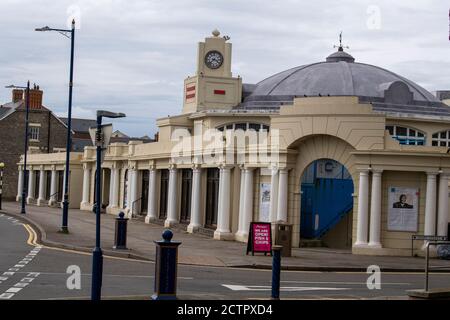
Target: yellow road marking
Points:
(32, 241)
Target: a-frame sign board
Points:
(260, 238)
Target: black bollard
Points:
(276, 270)
(120, 238)
(166, 268)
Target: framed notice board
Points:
(260, 238)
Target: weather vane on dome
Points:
(340, 47)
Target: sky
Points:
(132, 55)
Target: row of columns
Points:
(278, 205)
(41, 200)
(369, 232)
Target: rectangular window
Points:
(186, 194)
(34, 133)
(401, 131)
(164, 194)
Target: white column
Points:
(248, 202)
(115, 198)
(42, 184)
(20, 185)
(128, 186)
(31, 183)
(151, 211)
(134, 193)
(195, 222)
(375, 211)
(223, 219)
(443, 205)
(282, 205)
(86, 184)
(112, 183)
(274, 195)
(64, 187)
(172, 217)
(241, 229)
(53, 186)
(363, 209)
(430, 205)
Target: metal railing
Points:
(427, 260)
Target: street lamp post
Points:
(70, 34)
(97, 255)
(27, 111)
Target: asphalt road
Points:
(28, 271)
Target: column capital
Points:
(172, 167)
(224, 166)
(444, 174)
(363, 172)
(53, 167)
(432, 174)
(377, 172)
(196, 167)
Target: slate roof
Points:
(339, 75)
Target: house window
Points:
(34, 133)
(441, 139)
(405, 135)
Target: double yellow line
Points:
(32, 236)
(32, 241)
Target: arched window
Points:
(244, 126)
(405, 135)
(441, 139)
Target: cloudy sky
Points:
(132, 55)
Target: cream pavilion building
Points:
(350, 154)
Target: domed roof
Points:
(339, 75)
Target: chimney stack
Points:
(17, 95)
(35, 97)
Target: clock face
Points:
(213, 59)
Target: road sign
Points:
(106, 133)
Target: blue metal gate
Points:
(324, 202)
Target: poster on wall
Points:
(403, 210)
(264, 202)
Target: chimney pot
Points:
(36, 98)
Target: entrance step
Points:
(206, 232)
(311, 243)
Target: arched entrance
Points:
(309, 149)
(326, 204)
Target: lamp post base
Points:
(64, 230)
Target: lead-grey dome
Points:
(339, 75)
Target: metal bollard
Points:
(120, 238)
(166, 268)
(276, 270)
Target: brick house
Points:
(47, 133)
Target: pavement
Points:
(196, 249)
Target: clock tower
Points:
(213, 86)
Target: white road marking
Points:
(8, 294)
(268, 288)
(345, 283)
